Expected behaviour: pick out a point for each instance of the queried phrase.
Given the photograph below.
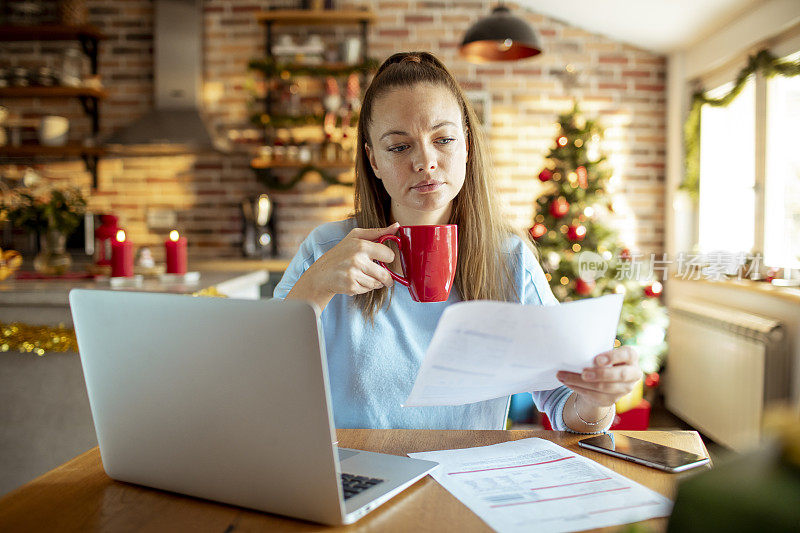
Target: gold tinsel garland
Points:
(25, 338)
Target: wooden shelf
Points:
(259, 163)
(315, 16)
(51, 92)
(50, 32)
(33, 150)
(273, 70)
(88, 37)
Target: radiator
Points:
(723, 368)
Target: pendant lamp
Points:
(500, 37)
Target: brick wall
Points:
(621, 85)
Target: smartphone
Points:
(644, 452)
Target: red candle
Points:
(176, 253)
(121, 256)
(103, 238)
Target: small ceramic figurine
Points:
(146, 258)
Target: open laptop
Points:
(226, 400)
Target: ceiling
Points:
(658, 25)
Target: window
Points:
(727, 173)
(750, 171)
(782, 215)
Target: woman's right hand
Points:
(348, 268)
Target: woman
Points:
(422, 159)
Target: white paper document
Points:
(483, 350)
(535, 485)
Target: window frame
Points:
(788, 47)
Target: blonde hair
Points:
(481, 273)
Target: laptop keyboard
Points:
(352, 484)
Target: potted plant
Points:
(53, 214)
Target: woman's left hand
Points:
(612, 376)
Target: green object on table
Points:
(758, 491)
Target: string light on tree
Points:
(572, 177)
(552, 259)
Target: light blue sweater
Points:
(372, 368)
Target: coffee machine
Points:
(258, 231)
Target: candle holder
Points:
(190, 278)
(126, 282)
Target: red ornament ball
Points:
(545, 175)
(653, 290)
(537, 231)
(625, 254)
(559, 207)
(584, 288)
(576, 233)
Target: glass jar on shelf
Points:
(25, 13)
(20, 77)
(45, 77)
(330, 149)
(305, 153)
(314, 50)
(72, 68)
(265, 154)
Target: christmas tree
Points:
(582, 256)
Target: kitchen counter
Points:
(46, 302)
(241, 264)
(56, 292)
(276, 267)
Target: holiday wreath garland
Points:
(765, 63)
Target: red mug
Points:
(428, 255)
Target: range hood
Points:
(177, 74)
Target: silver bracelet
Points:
(575, 406)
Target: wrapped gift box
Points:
(636, 419)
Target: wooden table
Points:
(78, 496)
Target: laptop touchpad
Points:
(344, 454)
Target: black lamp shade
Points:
(500, 37)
